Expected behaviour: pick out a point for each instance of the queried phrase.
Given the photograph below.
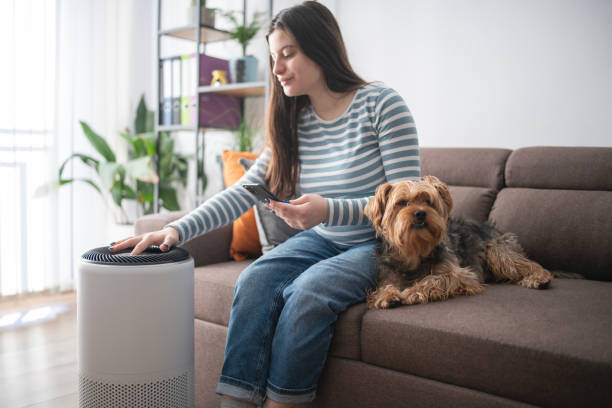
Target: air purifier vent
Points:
(151, 255)
(175, 392)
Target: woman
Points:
(333, 138)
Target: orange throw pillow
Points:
(245, 239)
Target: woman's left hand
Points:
(302, 213)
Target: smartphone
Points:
(261, 192)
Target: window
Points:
(27, 113)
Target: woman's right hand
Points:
(165, 238)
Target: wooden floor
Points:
(38, 362)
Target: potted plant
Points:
(134, 179)
(112, 177)
(245, 135)
(244, 68)
(207, 15)
(172, 166)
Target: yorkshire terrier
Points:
(423, 255)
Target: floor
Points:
(38, 352)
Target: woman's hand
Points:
(303, 213)
(165, 238)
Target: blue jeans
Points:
(283, 314)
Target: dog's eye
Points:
(402, 203)
(428, 203)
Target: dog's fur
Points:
(423, 255)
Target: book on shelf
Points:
(176, 90)
(165, 94)
(179, 84)
(188, 84)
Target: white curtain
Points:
(62, 61)
(27, 116)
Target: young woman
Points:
(332, 139)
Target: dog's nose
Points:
(420, 215)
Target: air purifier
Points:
(135, 329)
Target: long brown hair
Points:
(318, 35)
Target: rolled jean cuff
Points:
(238, 389)
(290, 396)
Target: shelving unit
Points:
(243, 90)
(189, 32)
(200, 34)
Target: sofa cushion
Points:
(465, 167)
(565, 168)
(472, 202)
(354, 384)
(558, 202)
(214, 290)
(519, 343)
(214, 293)
(566, 230)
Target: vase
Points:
(207, 16)
(243, 69)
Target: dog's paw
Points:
(411, 297)
(532, 282)
(384, 298)
(472, 290)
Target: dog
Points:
(424, 255)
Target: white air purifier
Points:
(135, 329)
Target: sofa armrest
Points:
(210, 248)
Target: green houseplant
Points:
(245, 135)
(244, 68)
(172, 166)
(134, 179)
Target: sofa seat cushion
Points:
(214, 290)
(214, 293)
(522, 344)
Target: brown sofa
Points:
(509, 346)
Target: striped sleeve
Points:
(225, 206)
(397, 138)
(399, 151)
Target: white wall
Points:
(490, 73)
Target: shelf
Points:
(174, 128)
(207, 34)
(242, 89)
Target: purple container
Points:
(208, 64)
(220, 111)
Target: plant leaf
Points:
(108, 174)
(98, 142)
(146, 197)
(148, 140)
(87, 160)
(88, 181)
(140, 122)
(117, 193)
(142, 169)
(168, 197)
(129, 193)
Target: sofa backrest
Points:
(558, 200)
(474, 177)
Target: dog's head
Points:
(411, 216)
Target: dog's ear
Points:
(375, 209)
(443, 191)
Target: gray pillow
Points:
(272, 229)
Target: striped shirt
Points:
(343, 160)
